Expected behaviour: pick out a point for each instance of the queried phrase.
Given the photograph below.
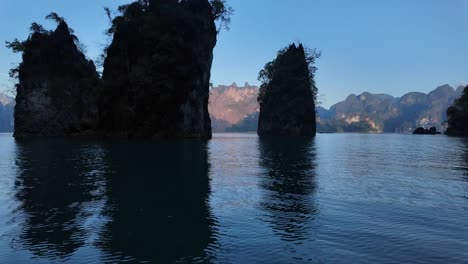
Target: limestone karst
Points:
(287, 94)
(155, 80)
(157, 71)
(57, 85)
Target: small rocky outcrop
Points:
(157, 70)
(58, 86)
(458, 116)
(423, 131)
(287, 94)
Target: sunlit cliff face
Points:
(232, 103)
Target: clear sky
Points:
(392, 46)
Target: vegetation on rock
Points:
(157, 69)
(57, 86)
(458, 116)
(287, 94)
(155, 81)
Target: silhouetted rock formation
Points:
(423, 131)
(157, 71)
(458, 116)
(287, 94)
(58, 86)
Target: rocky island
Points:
(287, 94)
(157, 70)
(423, 131)
(57, 86)
(155, 81)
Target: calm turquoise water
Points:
(339, 198)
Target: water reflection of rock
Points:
(57, 184)
(288, 184)
(464, 144)
(158, 202)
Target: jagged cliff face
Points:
(157, 71)
(230, 105)
(287, 105)
(57, 89)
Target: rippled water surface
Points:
(342, 198)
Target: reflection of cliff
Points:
(288, 183)
(464, 165)
(158, 202)
(56, 187)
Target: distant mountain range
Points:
(235, 109)
(7, 106)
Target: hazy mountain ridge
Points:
(384, 113)
(7, 106)
(365, 112)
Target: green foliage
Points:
(13, 73)
(460, 105)
(457, 116)
(108, 14)
(267, 74)
(16, 46)
(222, 13)
(37, 28)
(55, 17)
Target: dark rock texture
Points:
(157, 71)
(57, 89)
(458, 116)
(287, 105)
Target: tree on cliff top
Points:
(18, 46)
(270, 72)
(222, 12)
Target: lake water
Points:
(338, 198)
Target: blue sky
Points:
(390, 47)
